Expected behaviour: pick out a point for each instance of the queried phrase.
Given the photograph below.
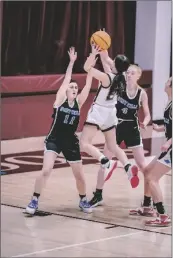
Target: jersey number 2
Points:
(66, 119)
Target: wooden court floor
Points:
(67, 232)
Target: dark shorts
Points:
(129, 132)
(69, 146)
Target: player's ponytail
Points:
(119, 83)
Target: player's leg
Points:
(153, 175)
(120, 135)
(96, 118)
(97, 198)
(87, 135)
(131, 170)
(133, 141)
(97, 195)
(71, 152)
(49, 158)
(146, 208)
(139, 157)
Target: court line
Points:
(97, 221)
(144, 229)
(75, 245)
(63, 215)
(160, 228)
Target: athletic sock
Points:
(105, 162)
(147, 201)
(160, 208)
(37, 195)
(98, 191)
(82, 196)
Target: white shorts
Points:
(104, 118)
(165, 158)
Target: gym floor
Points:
(60, 229)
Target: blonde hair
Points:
(138, 68)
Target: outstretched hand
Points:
(156, 127)
(143, 125)
(95, 49)
(72, 54)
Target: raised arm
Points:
(85, 92)
(107, 62)
(61, 94)
(82, 97)
(88, 67)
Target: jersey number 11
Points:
(66, 120)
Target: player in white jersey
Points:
(102, 115)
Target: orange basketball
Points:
(102, 39)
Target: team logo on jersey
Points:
(167, 161)
(166, 121)
(124, 110)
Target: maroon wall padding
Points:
(35, 83)
(30, 116)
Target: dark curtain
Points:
(37, 34)
(129, 28)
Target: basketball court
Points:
(60, 229)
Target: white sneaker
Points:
(32, 207)
(85, 206)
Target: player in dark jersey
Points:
(128, 127)
(62, 137)
(160, 165)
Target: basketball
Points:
(102, 39)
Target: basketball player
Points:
(161, 165)
(102, 115)
(62, 137)
(128, 127)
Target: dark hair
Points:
(73, 81)
(170, 83)
(122, 63)
(135, 64)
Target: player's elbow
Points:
(147, 115)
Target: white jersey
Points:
(102, 93)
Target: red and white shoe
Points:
(143, 211)
(133, 176)
(108, 171)
(163, 220)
